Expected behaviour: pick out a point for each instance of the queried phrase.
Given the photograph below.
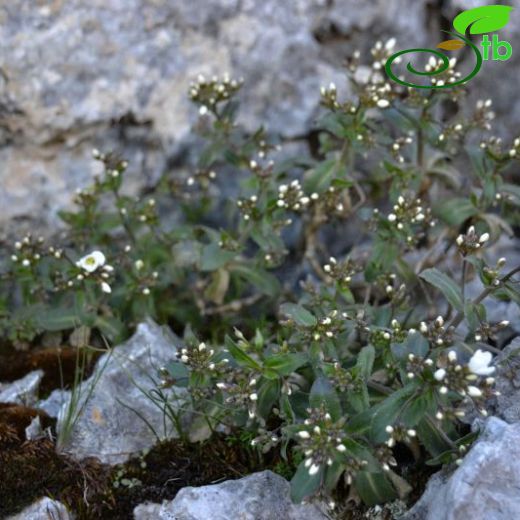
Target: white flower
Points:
(383, 103)
(304, 434)
(91, 261)
(105, 288)
(479, 363)
(440, 374)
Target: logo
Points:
(481, 21)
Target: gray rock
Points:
(54, 402)
(23, 391)
(486, 486)
(507, 404)
(44, 509)
(112, 403)
(114, 75)
(260, 496)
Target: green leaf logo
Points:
(480, 20)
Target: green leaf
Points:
(385, 413)
(365, 361)
(446, 285)
(374, 488)
(179, 373)
(480, 20)
(240, 356)
(214, 257)
(303, 484)
(58, 319)
(268, 395)
(414, 343)
(455, 211)
(265, 282)
(319, 179)
(298, 314)
(322, 391)
(430, 436)
(285, 364)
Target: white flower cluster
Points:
(464, 379)
(448, 76)
(470, 242)
(291, 196)
(208, 92)
(399, 433)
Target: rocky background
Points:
(113, 74)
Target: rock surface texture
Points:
(485, 487)
(260, 496)
(114, 74)
(111, 425)
(44, 509)
(23, 391)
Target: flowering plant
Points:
(317, 296)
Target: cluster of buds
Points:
(483, 114)
(265, 440)
(191, 187)
(329, 97)
(145, 279)
(147, 213)
(416, 366)
(343, 380)
(202, 179)
(397, 147)
(448, 76)
(291, 196)
(341, 272)
(228, 243)
(248, 208)
(493, 145)
(395, 291)
(385, 456)
(198, 357)
(486, 331)
(334, 202)
(492, 274)
(114, 165)
(239, 389)
(320, 439)
(381, 52)
(399, 433)
(94, 265)
(262, 171)
(470, 381)
(398, 333)
(328, 327)
(471, 241)
(410, 212)
(28, 251)
(377, 95)
(436, 333)
(207, 93)
(514, 151)
(85, 198)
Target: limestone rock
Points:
(116, 417)
(485, 487)
(23, 391)
(260, 496)
(44, 509)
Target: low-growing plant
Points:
(325, 293)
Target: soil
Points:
(32, 469)
(59, 365)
